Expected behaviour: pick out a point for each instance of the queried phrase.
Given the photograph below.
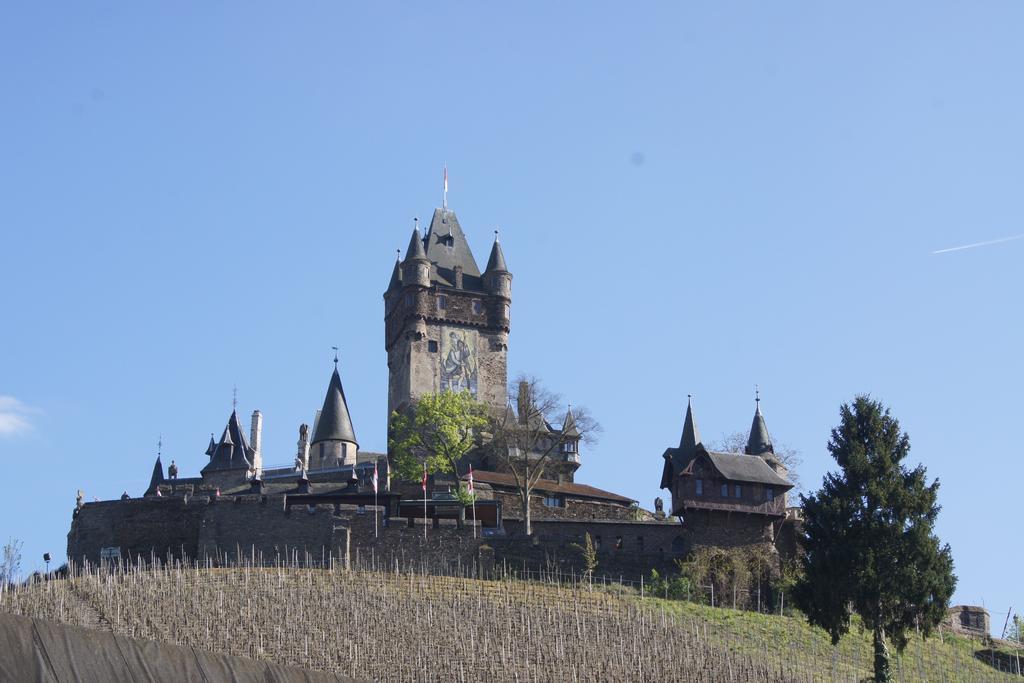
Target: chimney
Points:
(525, 402)
(458, 277)
(256, 441)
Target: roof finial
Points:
(160, 446)
(398, 255)
(234, 399)
(416, 223)
(496, 234)
(757, 394)
(444, 204)
(335, 357)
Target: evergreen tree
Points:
(869, 541)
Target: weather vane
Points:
(335, 356)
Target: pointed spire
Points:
(157, 478)
(691, 435)
(232, 451)
(212, 448)
(569, 424)
(496, 262)
(415, 251)
(759, 442)
(396, 273)
(335, 423)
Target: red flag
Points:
(470, 480)
(375, 477)
(424, 478)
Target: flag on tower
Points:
(445, 186)
(375, 477)
(471, 480)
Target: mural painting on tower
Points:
(458, 359)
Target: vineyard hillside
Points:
(390, 626)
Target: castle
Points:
(446, 328)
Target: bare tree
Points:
(525, 441)
(10, 562)
(788, 456)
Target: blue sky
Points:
(693, 198)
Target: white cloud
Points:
(14, 416)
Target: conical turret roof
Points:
(157, 478)
(334, 424)
(569, 424)
(212, 448)
(759, 442)
(691, 435)
(415, 251)
(396, 276)
(496, 261)
(232, 451)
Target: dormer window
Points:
(738, 491)
(725, 490)
(769, 493)
(442, 302)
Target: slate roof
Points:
(157, 478)
(748, 468)
(496, 262)
(759, 441)
(551, 486)
(232, 451)
(447, 247)
(569, 424)
(334, 424)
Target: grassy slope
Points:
(391, 627)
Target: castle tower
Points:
(232, 457)
(760, 443)
(446, 324)
(334, 441)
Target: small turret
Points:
(497, 279)
(416, 267)
(396, 273)
(334, 441)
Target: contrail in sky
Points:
(980, 244)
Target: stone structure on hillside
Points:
(727, 499)
(446, 328)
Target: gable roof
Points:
(334, 423)
(746, 468)
(550, 485)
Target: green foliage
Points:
(672, 587)
(463, 495)
(868, 537)
(588, 553)
(441, 429)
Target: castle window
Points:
(478, 308)
(442, 302)
(554, 501)
(739, 491)
(432, 346)
(769, 493)
(725, 490)
(505, 310)
(699, 487)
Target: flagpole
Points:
(375, 500)
(424, 501)
(472, 492)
